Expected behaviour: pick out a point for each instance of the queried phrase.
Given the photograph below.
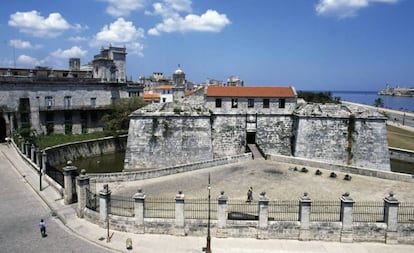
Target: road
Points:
(20, 212)
(405, 119)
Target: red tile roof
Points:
(164, 87)
(151, 96)
(261, 92)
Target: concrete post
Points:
(22, 146)
(38, 158)
(263, 216)
(222, 214)
(391, 218)
(82, 185)
(27, 148)
(139, 211)
(44, 161)
(179, 213)
(32, 153)
(347, 204)
(68, 176)
(104, 205)
(304, 217)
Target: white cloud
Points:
(345, 8)
(20, 44)
(118, 8)
(69, 53)
(210, 21)
(77, 39)
(173, 20)
(33, 23)
(120, 32)
(28, 61)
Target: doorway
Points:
(251, 138)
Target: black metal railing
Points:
(284, 210)
(326, 210)
(122, 205)
(56, 175)
(92, 200)
(242, 210)
(406, 212)
(159, 208)
(198, 209)
(368, 211)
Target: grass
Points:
(400, 138)
(45, 141)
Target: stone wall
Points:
(228, 134)
(71, 151)
(157, 141)
(169, 170)
(274, 133)
(342, 168)
(402, 154)
(342, 135)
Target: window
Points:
(218, 102)
(266, 103)
(93, 101)
(49, 101)
(250, 103)
(282, 103)
(68, 101)
(234, 103)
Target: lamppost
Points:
(207, 249)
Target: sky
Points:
(331, 45)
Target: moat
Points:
(115, 163)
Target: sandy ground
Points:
(279, 181)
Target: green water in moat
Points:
(115, 163)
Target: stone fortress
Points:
(223, 121)
(186, 123)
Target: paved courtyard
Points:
(278, 180)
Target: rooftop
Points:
(256, 92)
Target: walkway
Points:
(22, 205)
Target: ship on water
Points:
(397, 91)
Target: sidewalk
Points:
(149, 243)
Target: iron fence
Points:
(122, 205)
(55, 174)
(368, 211)
(198, 209)
(159, 208)
(92, 200)
(406, 212)
(243, 210)
(326, 210)
(284, 210)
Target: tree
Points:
(117, 120)
(318, 97)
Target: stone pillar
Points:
(179, 213)
(82, 185)
(70, 190)
(44, 161)
(38, 158)
(139, 209)
(22, 146)
(391, 218)
(222, 214)
(347, 204)
(104, 205)
(262, 232)
(32, 153)
(304, 217)
(27, 148)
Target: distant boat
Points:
(397, 91)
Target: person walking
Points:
(42, 226)
(250, 194)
